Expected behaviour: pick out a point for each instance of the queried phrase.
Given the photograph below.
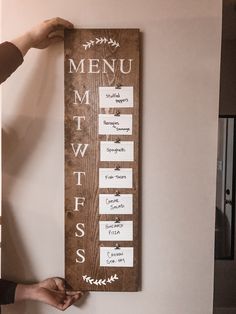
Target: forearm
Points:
(40, 36)
(26, 292)
(23, 43)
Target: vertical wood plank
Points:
(77, 48)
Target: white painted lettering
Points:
(106, 64)
(79, 201)
(80, 228)
(80, 253)
(81, 99)
(74, 68)
(79, 149)
(78, 173)
(93, 66)
(78, 118)
(122, 70)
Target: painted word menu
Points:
(102, 227)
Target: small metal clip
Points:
(117, 113)
(117, 247)
(118, 86)
(117, 141)
(117, 193)
(117, 221)
(117, 168)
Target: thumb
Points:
(55, 39)
(58, 33)
(69, 301)
(60, 283)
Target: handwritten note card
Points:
(111, 178)
(122, 151)
(117, 125)
(112, 204)
(112, 257)
(116, 231)
(111, 97)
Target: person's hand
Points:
(51, 291)
(48, 32)
(43, 35)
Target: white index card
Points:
(112, 178)
(116, 231)
(112, 151)
(112, 257)
(115, 125)
(115, 204)
(111, 97)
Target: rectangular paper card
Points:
(116, 231)
(115, 125)
(111, 97)
(122, 151)
(111, 178)
(112, 204)
(112, 257)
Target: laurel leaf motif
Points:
(99, 282)
(100, 41)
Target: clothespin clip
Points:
(117, 220)
(118, 86)
(117, 193)
(117, 141)
(117, 247)
(117, 168)
(117, 113)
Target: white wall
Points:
(181, 54)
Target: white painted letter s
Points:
(80, 228)
(80, 253)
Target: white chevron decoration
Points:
(100, 282)
(100, 41)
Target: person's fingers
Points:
(60, 283)
(55, 40)
(71, 293)
(58, 299)
(59, 23)
(69, 301)
(57, 33)
(68, 286)
(48, 42)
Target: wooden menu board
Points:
(102, 243)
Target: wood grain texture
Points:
(90, 163)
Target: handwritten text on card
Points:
(116, 231)
(112, 257)
(111, 151)
(112, 204)
(111, 97)
(111, 178)
(111, 124)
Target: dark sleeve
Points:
(10, 59)
(7, 291)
